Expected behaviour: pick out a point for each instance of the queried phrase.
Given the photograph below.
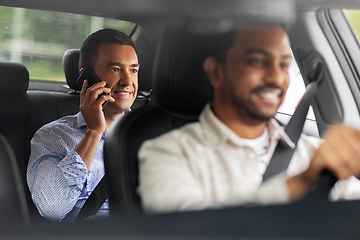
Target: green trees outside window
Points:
(38, 39)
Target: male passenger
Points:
(66, 161)
(220, 160)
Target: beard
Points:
(255, 113)
(248, 107)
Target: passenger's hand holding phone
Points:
(91, 78)
(92, 100)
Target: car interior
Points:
(171, 43)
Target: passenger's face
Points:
(254, 77)
(118, 66)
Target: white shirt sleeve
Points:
(168, 183)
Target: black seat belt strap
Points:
(95, 200)
(294, 128)
(283, 152)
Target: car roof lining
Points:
(129, 10)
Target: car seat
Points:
(180, 91)
(70, 64)
(14, 107)
(47, 106)
(22, 112)
(13, 205)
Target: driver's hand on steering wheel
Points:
(339, 153)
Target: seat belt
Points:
(312, 67)
(95, 200)
(97, 197)
(283, 152)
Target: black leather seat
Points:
(14, 120)
(71, 68)
(180, 91)
(15, 112)
(13, 205)
(14, 108)
(47, 106)
(23, 112)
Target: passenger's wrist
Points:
(94, 132)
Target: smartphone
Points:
(91, 77)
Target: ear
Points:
(214, 71)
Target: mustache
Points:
(267, 86)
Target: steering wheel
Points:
(321, 188)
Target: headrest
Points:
(14, 79)
(179, 82)
(146, 54)
(71, 67)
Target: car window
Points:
(353, 17)
(38, 39)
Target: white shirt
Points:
(260, 146)
(205, 164)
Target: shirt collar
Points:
(80, 122)
(216, 132)
(275, 130)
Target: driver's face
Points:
(254, 76)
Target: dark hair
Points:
(220, 43)
(91, 45)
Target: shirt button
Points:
(251, 155)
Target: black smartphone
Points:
(91, 77)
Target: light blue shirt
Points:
(56, 175)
